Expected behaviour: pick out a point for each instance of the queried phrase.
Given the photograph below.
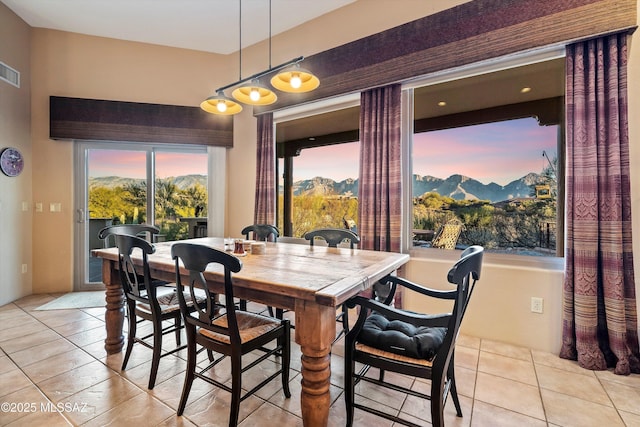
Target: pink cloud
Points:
(132, 164)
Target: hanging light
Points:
(295, 80)
(254, 94)
(220, 104)
(291, 78)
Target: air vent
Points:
(9, 75)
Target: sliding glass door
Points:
(133, 184)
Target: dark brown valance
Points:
(471, 32)
(93, 119)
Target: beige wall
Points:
(500, 307)
(15, 121)
(65, 64)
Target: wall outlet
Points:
(39, 207)
(24, 268)
(537, 304)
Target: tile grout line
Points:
(42, 393)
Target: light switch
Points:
(39, 207)
(25, 206)
(55, 207)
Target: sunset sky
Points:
(496, 152)
(132, 164)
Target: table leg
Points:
(315, 331)
(114, 315)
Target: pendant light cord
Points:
(269, 34)
(240, 39)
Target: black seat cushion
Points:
(401, 338)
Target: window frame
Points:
(492, 65)
(484, 67)
(216, 184)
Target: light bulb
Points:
(222, 106)
(295, 81)
(255, 94)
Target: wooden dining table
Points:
(310, 280)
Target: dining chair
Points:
(227, 331)
(261, 232)
(334, 237)
(410, 343)
(131, 229)
(146, 231)
(147, 300)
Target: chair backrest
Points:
(333, 236)
(261, 232)
(447, 235)
(472, 256)
(135, 279)
(129, 229)
(195, 259)
(464, 274)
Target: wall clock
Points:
(11, 161)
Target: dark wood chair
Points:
(147, 300)
(410, 343)
(130, 229)
(334, 237)
(261, 232)
(145, 231)
(228, 331)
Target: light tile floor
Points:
(54, 371)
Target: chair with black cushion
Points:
(410, 343)
(261, 232)
(229, 332)
(334, 237)
(147, 300)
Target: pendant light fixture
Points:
(295, 80)
(220, 104)
(254, 93)
(250, 91)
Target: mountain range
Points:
(457, 187)
(182, 182)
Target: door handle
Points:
(80, 213)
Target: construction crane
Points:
(543, 191)
(551, 165)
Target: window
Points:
(519, 98)
(325, 188)
(499, 179)
(118, 188)
(318, 168)
(137, 183)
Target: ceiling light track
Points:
(256, 76)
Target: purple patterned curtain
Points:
(265, 206)
(380, 183)
(600, 326)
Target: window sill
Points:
(547, 263)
